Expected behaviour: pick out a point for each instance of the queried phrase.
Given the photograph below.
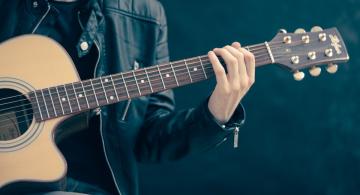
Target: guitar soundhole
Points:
(15, 114)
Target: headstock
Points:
(301, 50)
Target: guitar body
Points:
(30, 154)
(40, 88)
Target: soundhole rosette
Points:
(18, 127)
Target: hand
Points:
(233, 86)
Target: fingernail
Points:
(236, 44)
(211, 53)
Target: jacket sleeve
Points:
(169, 134)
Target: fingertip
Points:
(236, 44)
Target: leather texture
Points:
(146, 129)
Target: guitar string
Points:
(266, 53)
(198, 76)
(130, 87)
(129, 83)
(251, 48)
(175, 65)
(134, 89)
(85, 91)
(123, 95)
(52, 103)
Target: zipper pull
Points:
(236, 137)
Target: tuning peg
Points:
(315, 71)
(316, 29)
(282, 31)
(298, 76)
(332, 68)
(300, 31)
(329, 52)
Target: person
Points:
(110, 36)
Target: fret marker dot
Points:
(80, 95)
(111, 97)
(106, 80)
(142, 81)
(167, 75)
(63, 99)
(195, 69)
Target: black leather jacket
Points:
(145, 129)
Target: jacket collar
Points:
(89, 16)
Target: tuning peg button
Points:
(287, 39)
(316, 29)
(282, 31)
(315, 71)
(312, 55)
(295, 59)
(329, 52)
(298, 76)
(305, 39)
(300, 31)
(332, 68)
(322, 37)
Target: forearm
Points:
(173, 135)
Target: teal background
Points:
(299, 137)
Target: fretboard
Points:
(80, 96)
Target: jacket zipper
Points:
(123, 117)
(135, 67)
(100, 116)
(42, 18)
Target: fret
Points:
(194, 68)
(126, 89)
(109, 89)
(162, 80)
(143, 81)
(188, 70)
(56, 101)
(116, 92)
(102, 85)
(62, 108)
(39, 106)
(182, 73)
(92, 87)
(137, 84)
(99, 91)
(80, 95)
(89, 93)
(86, 98)
(119, 86)
(52, 101)
(131, 84)
(172, 68)
(46, 107)
(168, 76)
(147, 75)
(76, 97)
(64, 98)
(202, 66)
(74, 105)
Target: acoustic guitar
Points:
(32, 107)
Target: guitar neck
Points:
(80, 96)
